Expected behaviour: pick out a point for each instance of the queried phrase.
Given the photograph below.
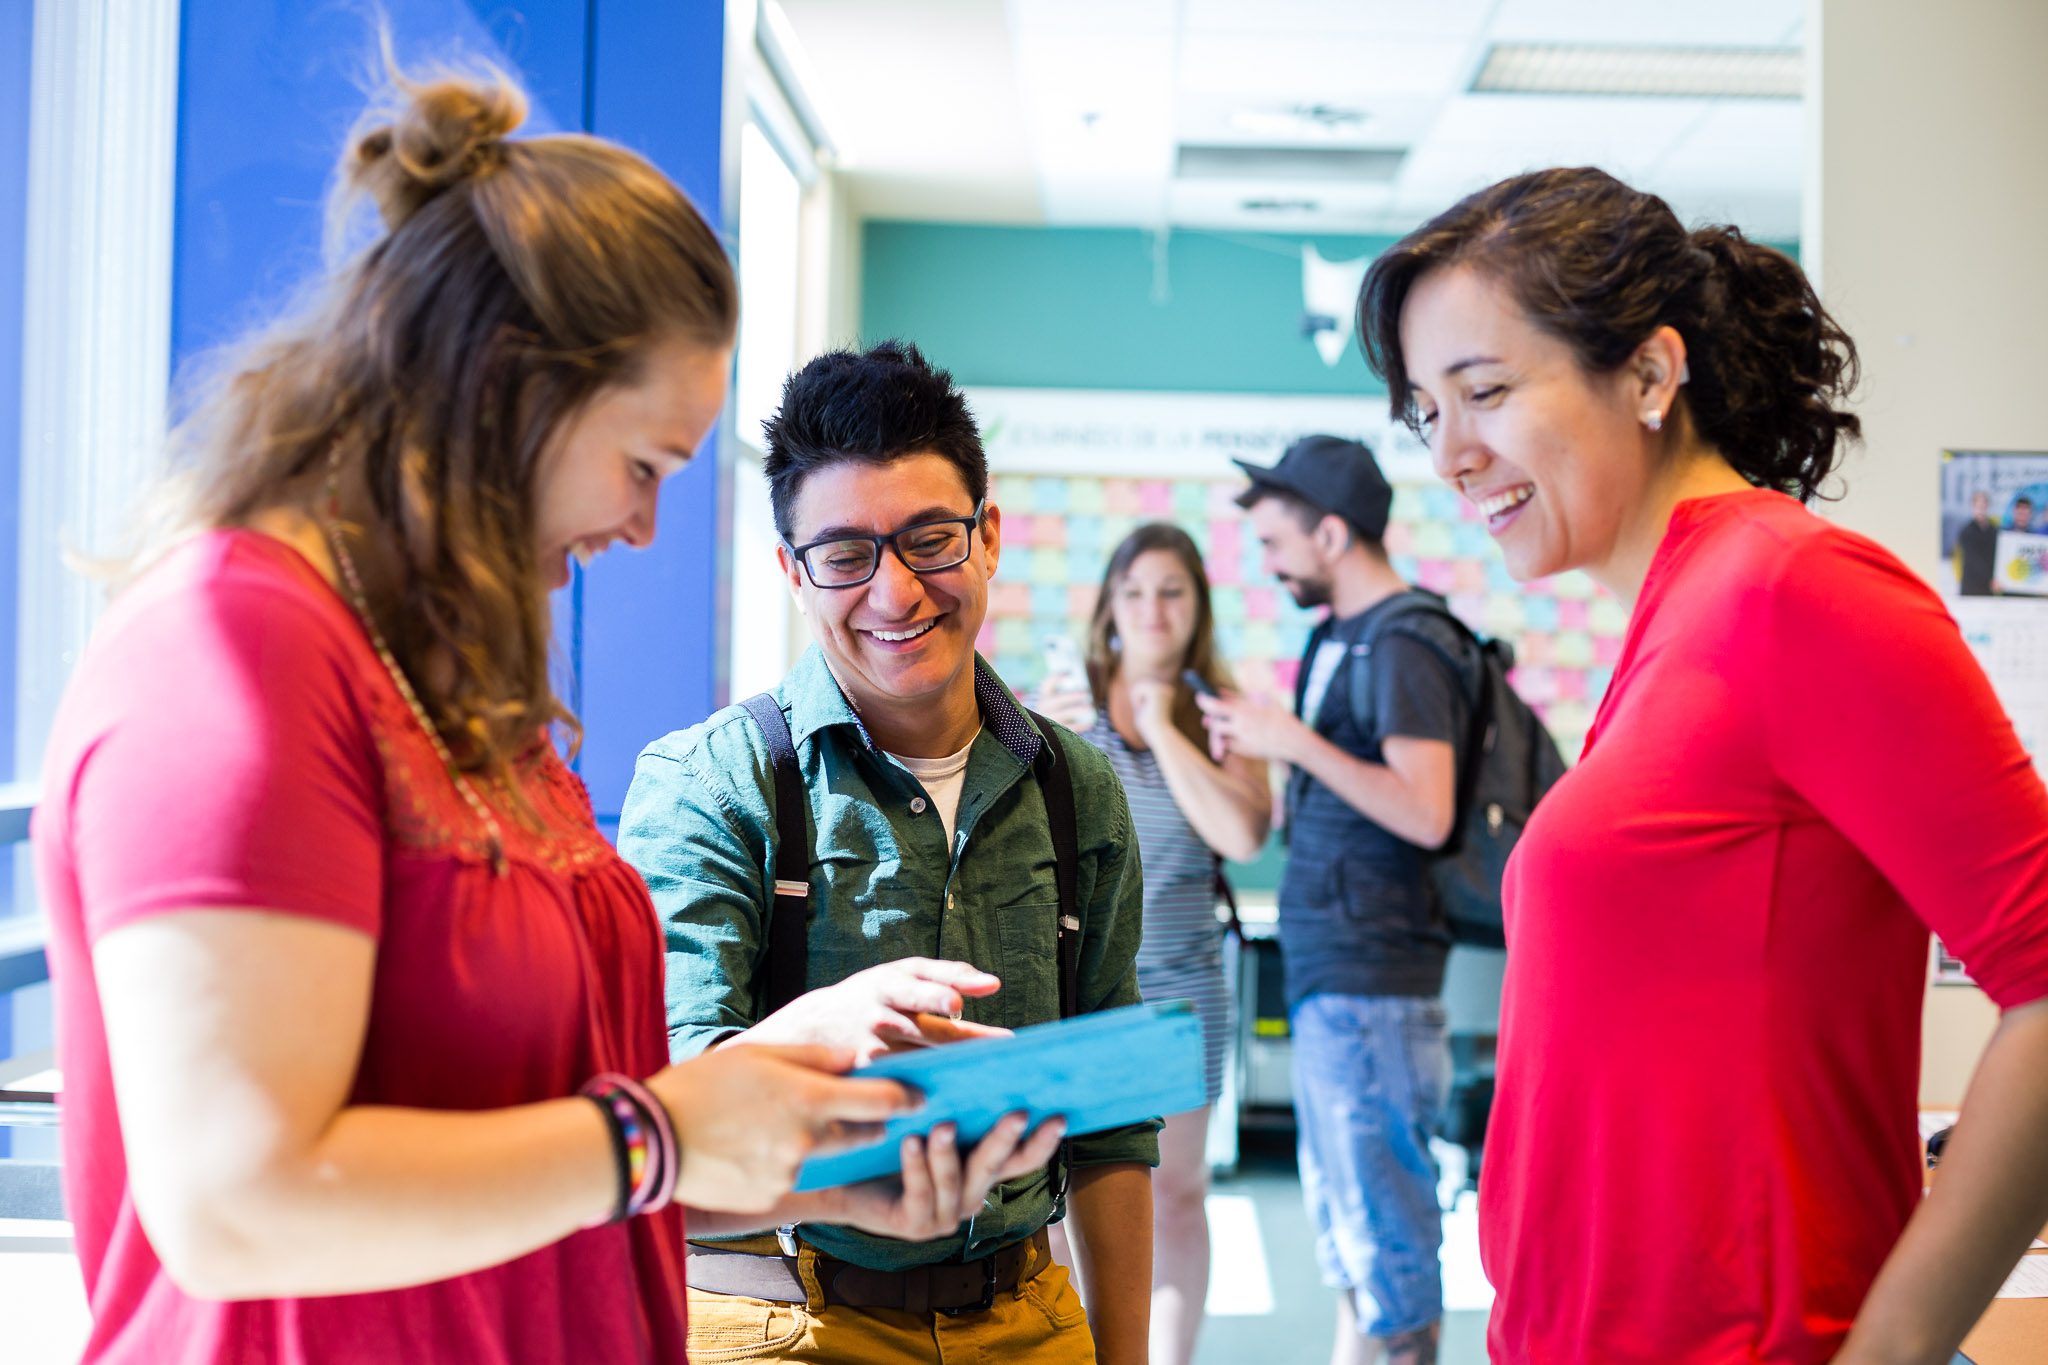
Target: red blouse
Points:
(1704, 1142)
(230, 739)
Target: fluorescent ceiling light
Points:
(1300, 122)
(1689, 72)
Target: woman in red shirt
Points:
(1704, 1146)
(335, 939)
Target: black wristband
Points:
(620, 1162)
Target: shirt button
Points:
(917, 805)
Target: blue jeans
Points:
(1370, 1074)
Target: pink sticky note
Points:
(1607, 649)
(985, 639)
(1468, 576)
(1120, 498)
(1571, 684)
(1020, 530)
(1284, 672)
(1155, 498)
(1571, 615)
(1259, 605)
(1081, 600)
(1436, 575)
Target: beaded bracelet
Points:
(644, 1144)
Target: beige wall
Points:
(1927, 228)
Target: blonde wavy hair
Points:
(511, 282)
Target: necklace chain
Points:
(359, 601)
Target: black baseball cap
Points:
(1332, 473)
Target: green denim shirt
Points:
(699, 825)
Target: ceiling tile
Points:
(1340, 18)
(1300, 67)
(1094, 17)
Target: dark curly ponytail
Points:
(1602, 266)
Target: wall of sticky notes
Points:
(1059, 530)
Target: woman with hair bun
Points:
(361, 1019)
(1703, 1146)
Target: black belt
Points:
(950, 1287)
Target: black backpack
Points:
(1509, 761)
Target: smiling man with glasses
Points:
(961, 868)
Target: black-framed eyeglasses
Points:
(924, 547)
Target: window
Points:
(88, 121)
(777, 172)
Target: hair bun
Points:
(441, 131)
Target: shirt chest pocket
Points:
(850, 836)
(1028, 940)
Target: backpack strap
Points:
(1056, 783)
(1479, 696)
(789, 911)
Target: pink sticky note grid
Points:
(1253, 614)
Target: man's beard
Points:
(1306, 592)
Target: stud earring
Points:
(1653, 419)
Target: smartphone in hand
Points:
(1065, 687)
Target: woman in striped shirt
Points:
(1153, 627)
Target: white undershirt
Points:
(942, 779)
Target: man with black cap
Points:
(1373, 741)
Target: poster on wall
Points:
(1994, 544)
(1994, 523)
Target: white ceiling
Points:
(1071, 111)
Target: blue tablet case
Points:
(1099, 1070)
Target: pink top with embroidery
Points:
(232, 740)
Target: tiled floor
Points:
(1266, 1299)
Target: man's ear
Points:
(991, 538)
(792, 574)
(1333, 535)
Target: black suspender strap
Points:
(1056, 783)
(789, 911)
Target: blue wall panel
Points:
(267, 90)
(16, 34)
(650, 637)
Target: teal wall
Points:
(1075, 307)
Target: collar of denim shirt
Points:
(816, 702)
